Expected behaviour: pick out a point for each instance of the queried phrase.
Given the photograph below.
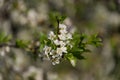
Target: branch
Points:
(10, 45)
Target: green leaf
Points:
(82, 37)
(4, 38)
(95, 40)
(61, 18)
(87, 50)
(21, 43)
(72, 59)
(41, 47)
(73, 62)
(55, 17)
(43, 41)
(78, 54)
(43, 37)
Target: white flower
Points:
(47, 50)
(67, 42)
(63, 31)
(62, 37)
(61, 50)
(2, 53)
(54, 54)
(61, 43)
(64, 49)
(51, 35)
(62, 27)
(69, 36)
(55, 62)
(57, 42)
(7, 49)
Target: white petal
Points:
(51, 35)
(63, 31)
(56, 42)
(62, 43)
(69, 36)
(59, 51)
(62, 37)
(64, 49)
(47, 50)
(62, 26)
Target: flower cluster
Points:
(60, 41)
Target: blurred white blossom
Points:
(32, 17)
(33, 72)
(4, 50)
(1, 3)
(7, 49)
(2, 53)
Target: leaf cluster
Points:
(4, 38)
(22, 43)
(80, 44)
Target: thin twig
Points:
(10, 45)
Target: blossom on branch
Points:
(60, 43)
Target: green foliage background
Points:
(25, 19)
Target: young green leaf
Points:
(21, 43)
(72, 59)
(4, 38)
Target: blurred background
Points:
(21, 18)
